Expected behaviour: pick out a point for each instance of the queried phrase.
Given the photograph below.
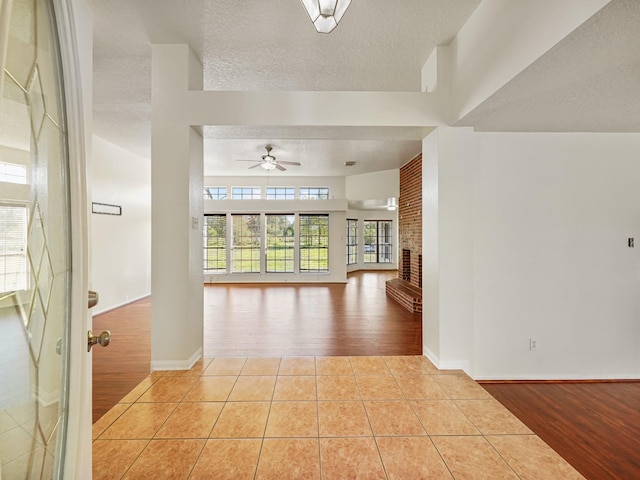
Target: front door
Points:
(41, 275)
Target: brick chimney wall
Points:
(410, 217)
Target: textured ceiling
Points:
(271, 45)
(588, 82)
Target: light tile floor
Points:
(317, 418)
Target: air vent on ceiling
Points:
(349, 164)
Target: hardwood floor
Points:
(311, 319)
(122, 365)
(263, 320)
(594, 426)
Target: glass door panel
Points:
(34, 245)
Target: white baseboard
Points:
(556, 376)
(119, 305)
(176, 364)
(447, 364)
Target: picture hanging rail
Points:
(106, 209)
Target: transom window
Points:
(215, 244)
(280, 252)
(246, 193)
(246, 244)
(215, 193)
(314, 243)
(377, 241)
(13, 173)
(314, 193)
(352, 241)
(13, 248)
(281, 193)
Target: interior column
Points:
(177, 212)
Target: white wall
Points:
(376, 185)
(447, 247)
(120, 245)
(552, 216)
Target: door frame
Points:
(75, 33)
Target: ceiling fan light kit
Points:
(325, 14)
(269, 162)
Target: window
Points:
(215, 193)
(281, 193)
(377, 241)
(13, 173)
(280, 243)
(13, 248)
(352, 241)
(314, 243)
(246, 193)
(246, 244)
(314, 193)
(215, 244)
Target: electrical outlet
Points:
(533, 344)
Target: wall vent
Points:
(349, 164)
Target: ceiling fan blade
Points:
(256, 165)
(288, 163)
(243, 160)
(279, 167)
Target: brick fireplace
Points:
(407, 288)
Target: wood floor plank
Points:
(356, 318)
(594, 426)
(311, 319)
(122, 365)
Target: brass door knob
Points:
(103, 339)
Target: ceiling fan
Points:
(269, 162)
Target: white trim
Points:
(447, 364)
(119, 305)
(430, 355)
(74, 24)
(177, 364)
(559, 377)
(455, 365)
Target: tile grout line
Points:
(266, 423)
(375, 440)
(315, 379)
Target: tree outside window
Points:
(314, 243)
(378, 241)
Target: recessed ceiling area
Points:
(322, 151)
(587, 82)
(271, 45)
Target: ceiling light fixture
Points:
(392, 204)
(325, 14)
(268, 166)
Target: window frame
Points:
(352, 241)
(320, 243)
(252, 259)
(289, 250)
(314, 193)
(382, 255)
(9, 176)
(255, 194)
(280, 193)
(208, 195)
(19, 246)
(207, 258)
